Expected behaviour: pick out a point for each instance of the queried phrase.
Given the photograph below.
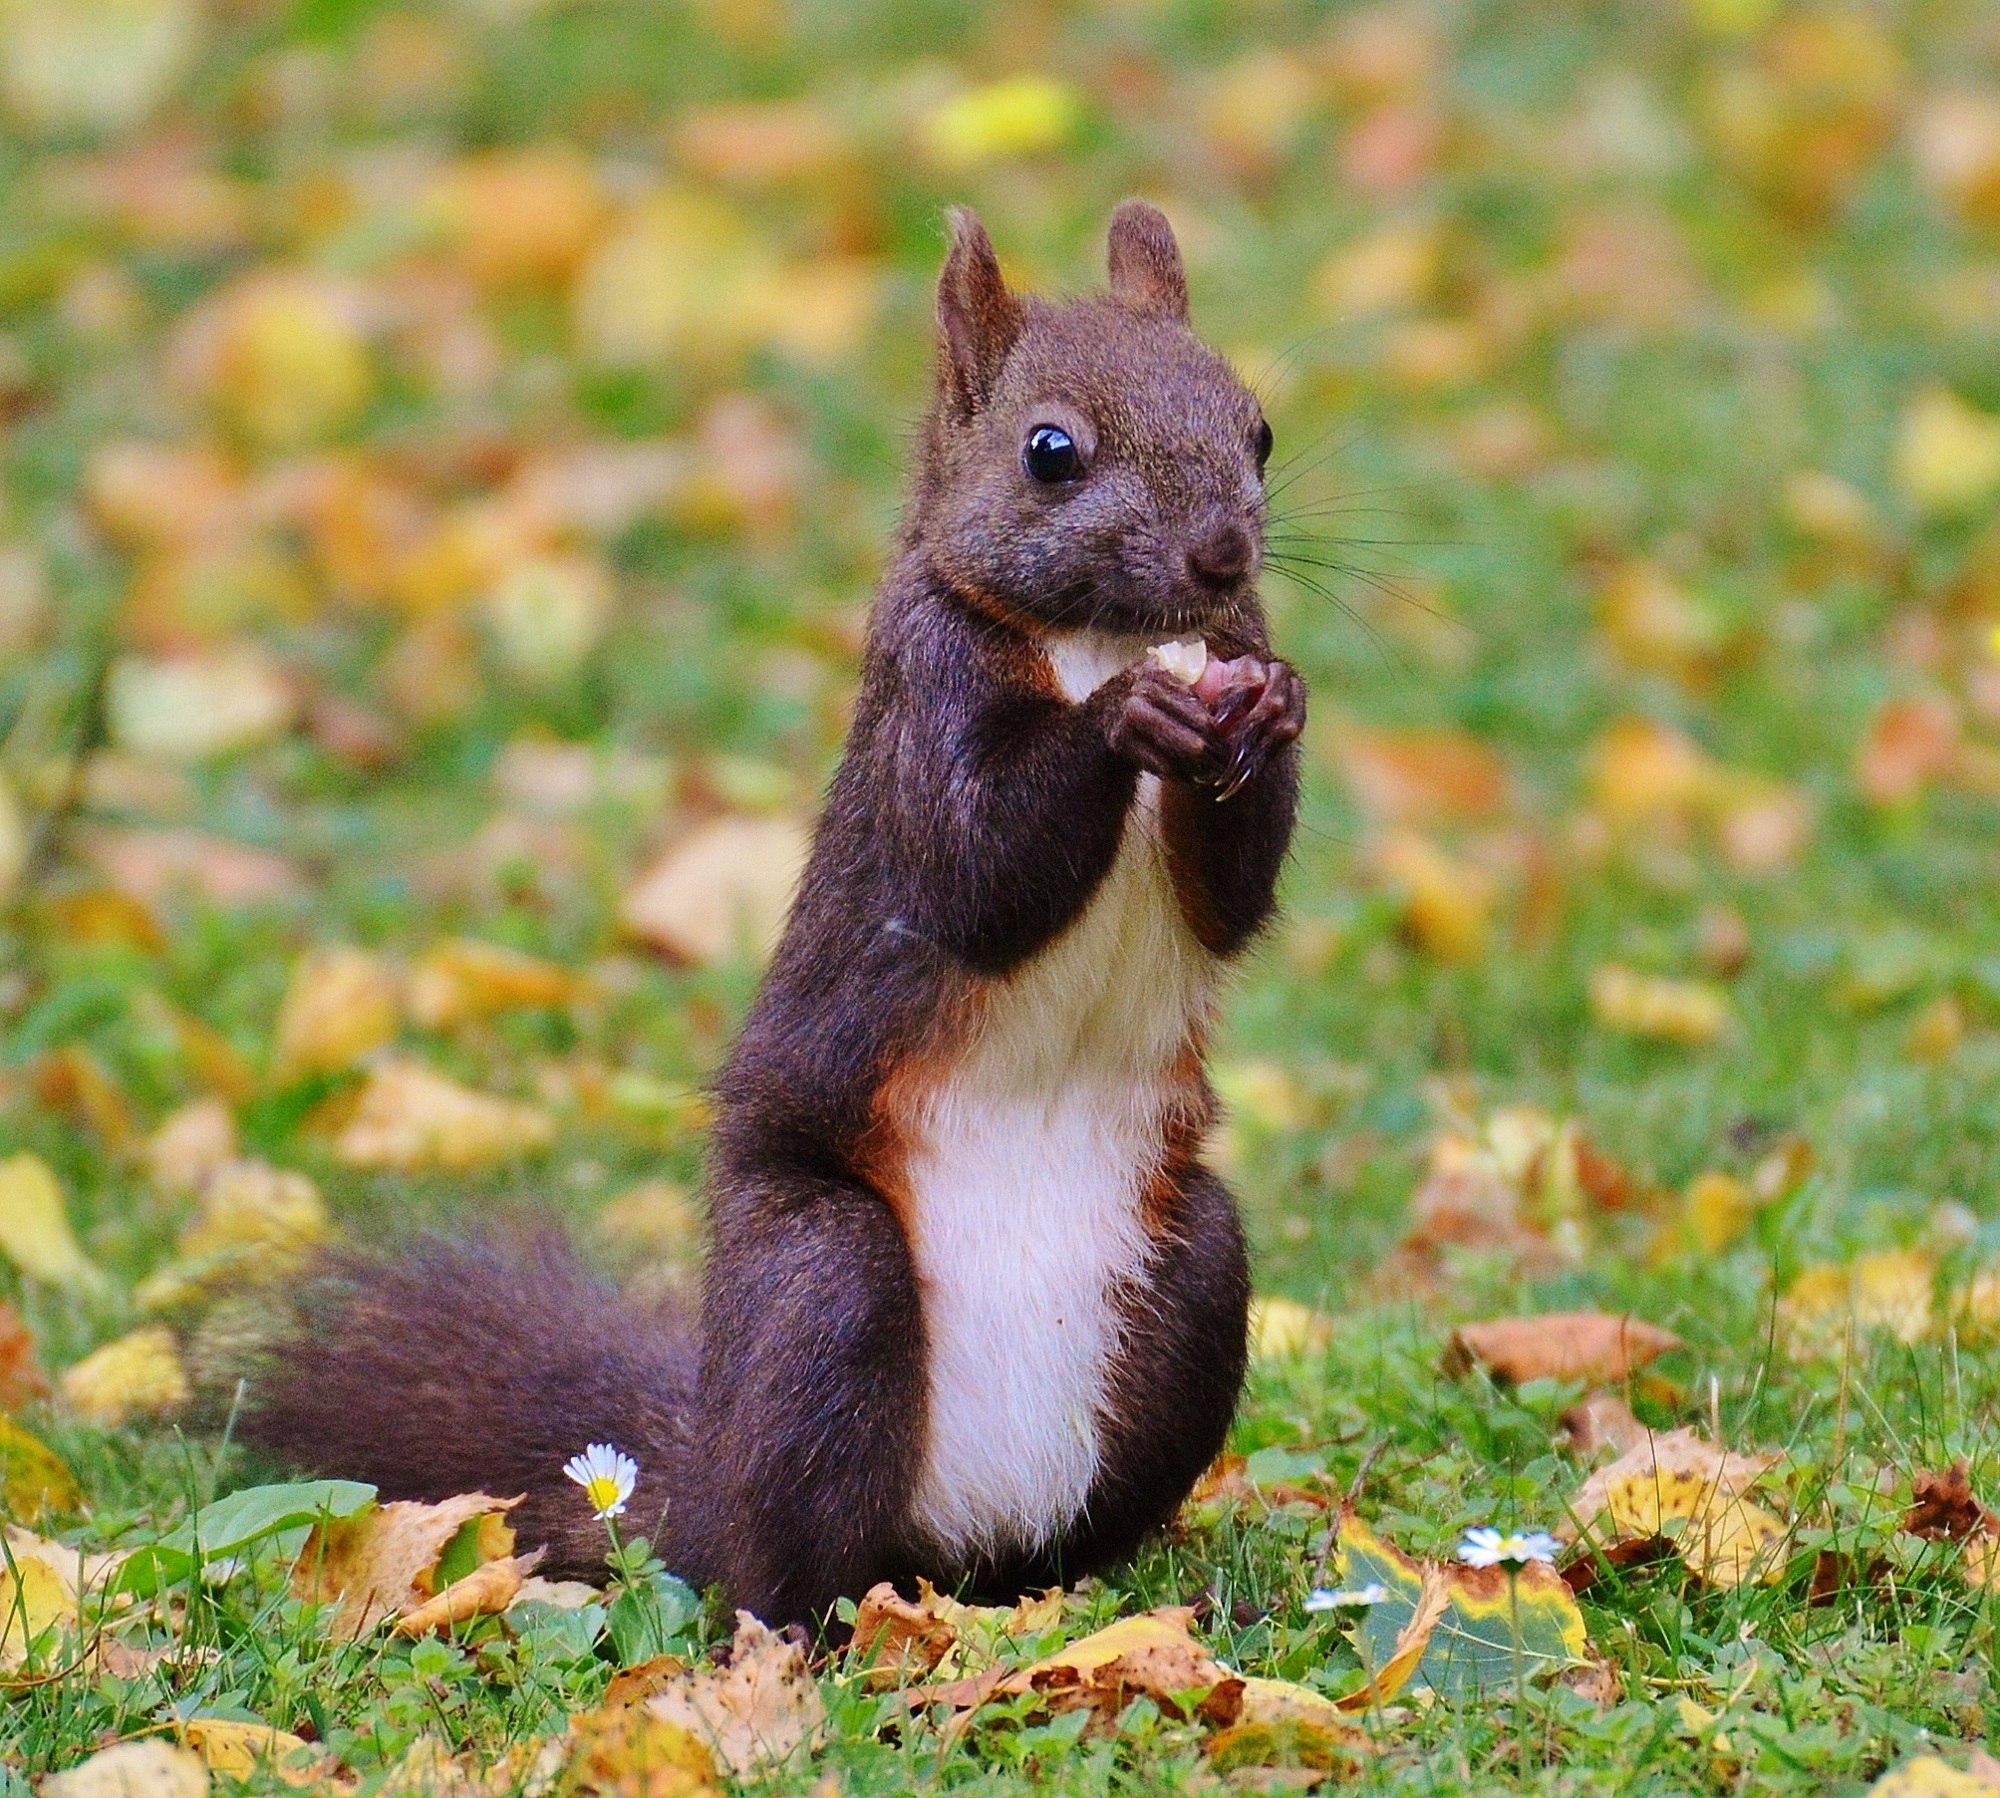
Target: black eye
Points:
(1049, 455)
(1260, 444)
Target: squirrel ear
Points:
(1146, 271)
(978, 319)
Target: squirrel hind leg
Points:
(479, 1366)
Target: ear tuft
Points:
(978, 319)
(1145, 260)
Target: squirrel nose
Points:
(1221, 554)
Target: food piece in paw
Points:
(1185, 658)
(1256, 707)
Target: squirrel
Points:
(973, 1307)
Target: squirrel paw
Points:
(1161, 726)
(1257, 707)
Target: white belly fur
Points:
(1027, 1166)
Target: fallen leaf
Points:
(138, 1375)
(37, 1595)
(411, 1119)
(1151, 1656)
(1943, 1509)
(34, 1227)
(384, 1561)
(1689, 1012)
(1021, 115)
(1910, 744)
(144, 1769)
(73, 1081)
(157, 866)
(456, 981)
(1448, 903)
(724, 887)
(1451, 1629)
(1590, 1346)
(1678, 1489)
(1282, 1329)
(484, 1592)
(1285, 1725)
(1601, 1420)
(754, 1712)
(1423, 777)
(342, 1004)
(190, 708)
(897, 1640)
(189, 1147)
(1947, 453)
(1892, 1291)
(239, 1750)
(34, 1480)
(102, 70)
(1927, 1776)
(623, 1750)
(21, 1377)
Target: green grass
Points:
(1468, 598)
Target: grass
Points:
(1768, 305)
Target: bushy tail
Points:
(481, 1367)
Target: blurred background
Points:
(448, 450)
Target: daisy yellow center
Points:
(602, 1491)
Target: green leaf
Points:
(237, 1522)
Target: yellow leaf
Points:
(1023, 115)
(35, 1598)
(624, 1751)
(1679, 1488)
(1718, 1210)
(461, 979)
(1893, 1291)
(34, 1482)
(412, 1119)
(139, 1375)
(1286, 1725)
(237, 1750)
(1926, 1776)
(1947, 455)
(281, 357)
(384, 1561)
(342, 1004)
(1282, 1329)
(1690, 1012)
(1448, 902)
(143, 1769)
(34, 1227)
(101, 67)
(13, 840)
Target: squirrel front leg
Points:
(1005, 850)
(1227, 838)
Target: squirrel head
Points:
(1089, 462)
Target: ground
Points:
(448, 454)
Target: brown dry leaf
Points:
(412, 1119)
(1689, 1012)
(1943, 1509)
(484, 1592)
(157, 866)
(384, 1561)
(34, 1227)
(756, 1711)
(1286, 1725)
(73, 1081)
(342, 1004)
(1911, 743)
(1601, 1420)
(138, 1375)
(897, 1640)
(189, 1147)
(461, 979)
(238, 1750)
(145, 1769)
(1591, 1346)
(22, 1378)
(623, 1750)
(1424, 777)
(725, 886)
(1680, 1489)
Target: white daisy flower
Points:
(1322, 1598)
(607, 1476)
(1489, 1548)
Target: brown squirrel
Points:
(973, 1306)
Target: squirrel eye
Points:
(1050, 457)
(1261, 443)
